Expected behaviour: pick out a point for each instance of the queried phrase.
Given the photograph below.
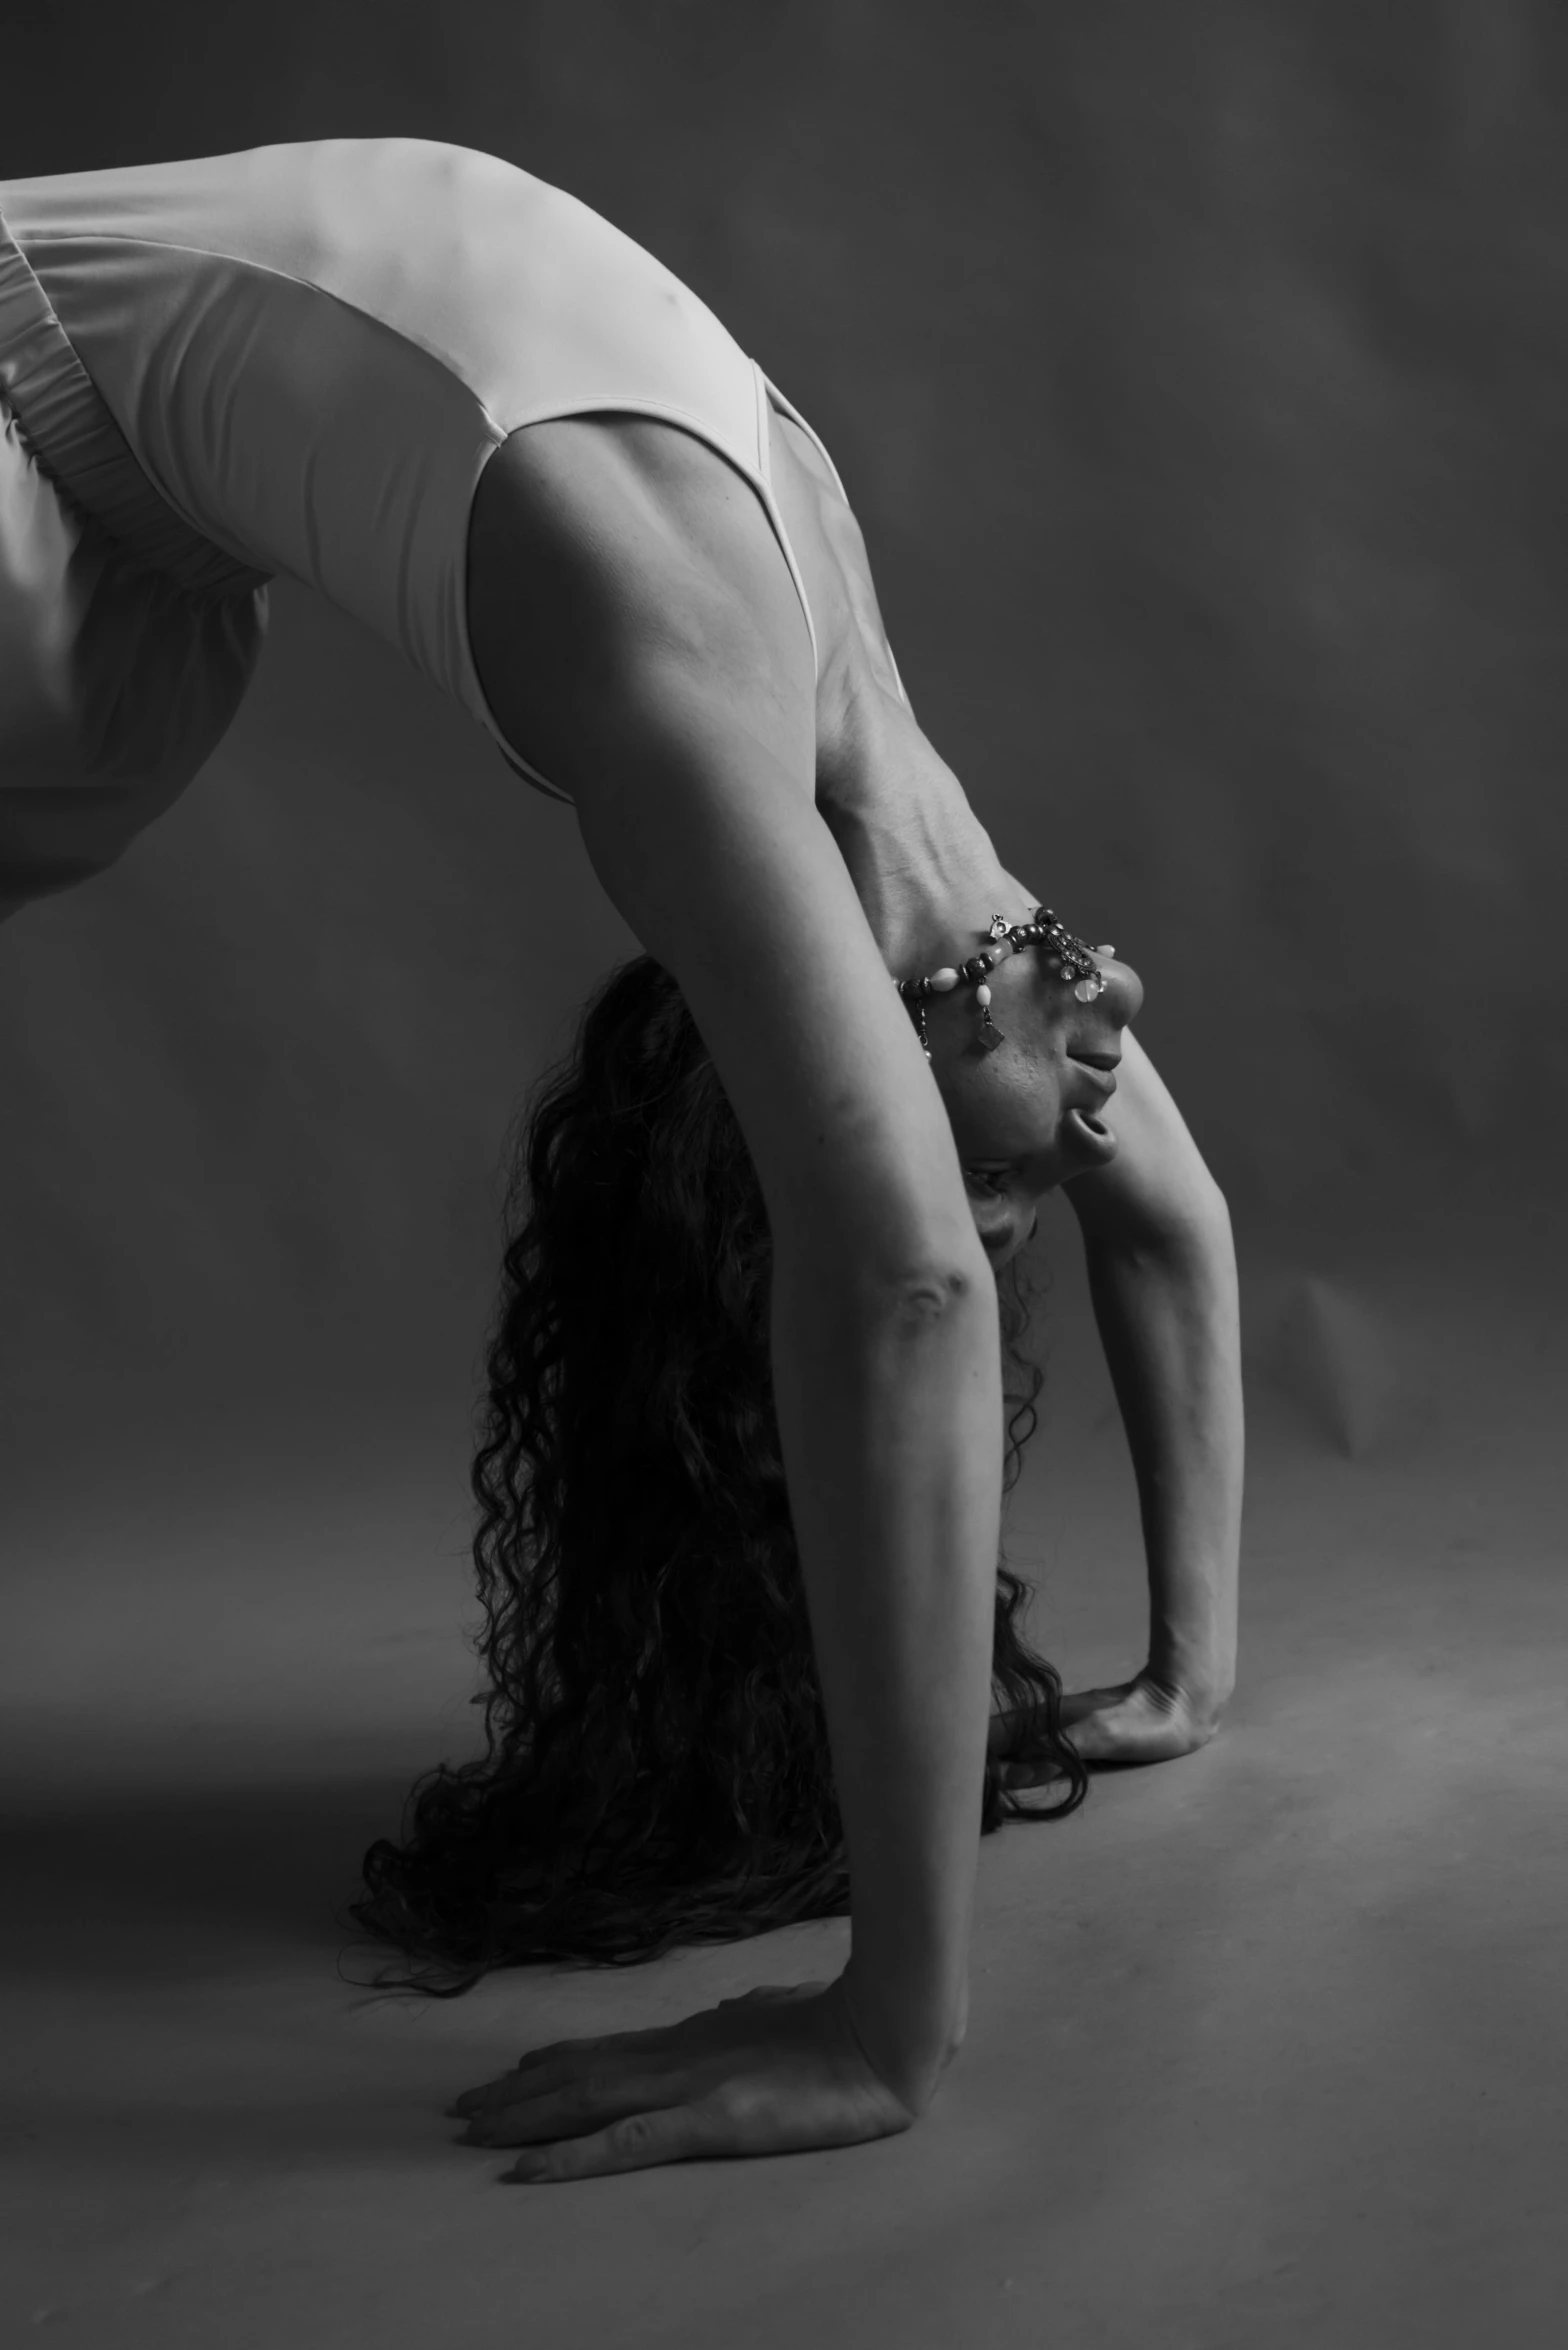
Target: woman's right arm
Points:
(688, 742)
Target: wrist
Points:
(908, 2044)
(1204, 1678)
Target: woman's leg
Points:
(116, 684)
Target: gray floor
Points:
(1266, 2045)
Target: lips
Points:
(1090, 1137)
(1101, 1082)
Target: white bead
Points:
(982, 996)
(944, 979)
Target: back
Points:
(314, 350)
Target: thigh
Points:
(115, 683)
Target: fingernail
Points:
(519, 2177)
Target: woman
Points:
(476, 417)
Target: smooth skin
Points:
(782, 843)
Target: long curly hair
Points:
(657, 1768)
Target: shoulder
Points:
(615, 557)
(642, 643)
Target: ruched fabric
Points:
(126, 639)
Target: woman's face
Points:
(1033, 1113)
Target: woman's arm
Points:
(1162, 1273)
(685, 728)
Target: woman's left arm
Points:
(1162, 1274)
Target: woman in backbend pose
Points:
(738, 1383)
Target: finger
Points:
(551, 2060)
(504, 2091)
(1020, 1775)
(638, 2141)
(496, 2092)
(554, 2070)
(1099, 1737)
(1084, 1702)
(575, 2107)
(528, 2061)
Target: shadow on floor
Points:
(180, 1880)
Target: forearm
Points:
(891, 1427)
(1168, 1316)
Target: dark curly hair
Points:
(657, 1767)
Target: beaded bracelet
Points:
(1065, 954)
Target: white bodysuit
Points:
(297, 360)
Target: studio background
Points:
(1197, 375)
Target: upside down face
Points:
(1035, 1112)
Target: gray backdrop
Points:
(1196, 371)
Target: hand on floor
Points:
(772, 2072)
(1145, 1720)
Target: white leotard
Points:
(308, 354)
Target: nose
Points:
(1123, 997)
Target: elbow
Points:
(1199, 1231)
(1189, 1208)
(1209, 1212)
(887, 1265)
(932, 1293)
(929, 1291)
